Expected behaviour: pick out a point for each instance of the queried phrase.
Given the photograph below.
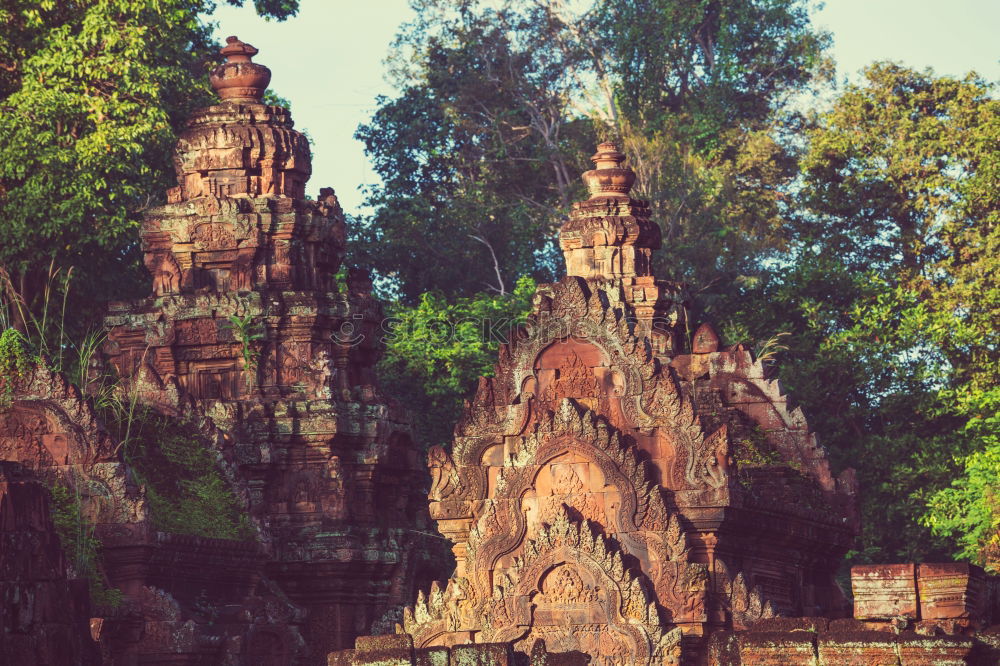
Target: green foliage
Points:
(81, 547)
(500, 105)
(15, 360)
(270, 9)
(248, 332)
(45, 326)
(890, 291)
(715, 65)
(340, 280)
(467, 201)
(91, 95)
(439, 348)
(753, 450)
(720, 211)
(891, 164)
(46, 334)
(185, 489)
(968, 511)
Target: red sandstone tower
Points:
(248, 324)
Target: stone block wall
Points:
(822, 642)
(947, 597)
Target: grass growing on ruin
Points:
(15, 360)
(185, 489)
(81, 546)
(249, 334)
(753, 450)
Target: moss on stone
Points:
(185, 488)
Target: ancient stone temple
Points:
(619, 491)
(249, 326)
(615, 498)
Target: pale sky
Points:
(328, 60)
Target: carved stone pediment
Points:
(595, 417)
(571, 587)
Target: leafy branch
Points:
(248, 332)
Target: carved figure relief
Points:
(319, 374)
(567, 490)
(211, 236)
(21, 432)
(572, 377)
(334, 494)
(165, 271)
(563, 586)
(711, 461)
(445, 480)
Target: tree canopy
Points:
(889, 292)
(500, 107)
(93, 93)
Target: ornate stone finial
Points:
(610, 178)
(238, 79)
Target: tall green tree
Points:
(890, 291)
(477, 156)
(500, 107)
(92, 93)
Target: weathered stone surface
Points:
(773, 648)
(932, 599)
(44, 616)
(247, 330)
(247, 337)
(952, 591)
(917, 650)
(849, 646)
(884, 591)
(790, 624)
(398, 651)
(872, 648)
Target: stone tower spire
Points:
(239, 79)
(242, 146)
(610, 235)
(248, 323)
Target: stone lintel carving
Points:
(249, 327)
